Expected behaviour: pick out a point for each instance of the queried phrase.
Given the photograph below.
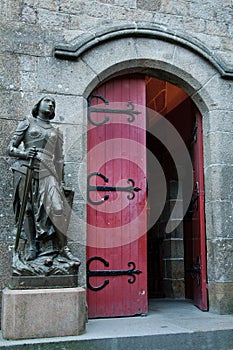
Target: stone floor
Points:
(169, 324)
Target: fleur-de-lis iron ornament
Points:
(94, 273)
(131, 189)
(130, 111)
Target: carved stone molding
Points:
(86, 42)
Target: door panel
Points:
(116, 225)
(198, 272)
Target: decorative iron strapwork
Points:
(131, 112)
(94, 273)
(131, 189)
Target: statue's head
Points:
(35, 109)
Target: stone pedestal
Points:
(40, 313)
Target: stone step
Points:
(211, 340)
(175, 325)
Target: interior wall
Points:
(166, 252)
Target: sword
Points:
(28, 180)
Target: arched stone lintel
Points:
(157, 69)
(137, 29)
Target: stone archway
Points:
(186, 63)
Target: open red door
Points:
(198, 270)
(116, 199)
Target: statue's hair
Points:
(35, 109)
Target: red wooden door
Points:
(116, 217)
(199, 273)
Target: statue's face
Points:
(47, 106)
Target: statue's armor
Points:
(39, 199)
(48, 142)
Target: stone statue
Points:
(40, 206)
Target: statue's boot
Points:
(66, 252)
(58, 220)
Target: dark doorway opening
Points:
(171, 260)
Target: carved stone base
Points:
(41, 313)
(56, 281)
(46, 271)
(46, 264)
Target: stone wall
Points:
(30, 30)
(173, 249)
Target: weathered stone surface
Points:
(219, 219)
(16, 105)
(174, 288)
(221, 185)
(173, 268)
(126, 3)
(46, 4)
(52, 19)
(169, 207)
(27, 72)
(218, 148)
(221, 297)
(74, 143)
(77, 228)
(6, 179)
(29, 39)
(149, 5)
(219, 90)
(138, 15)
(205, 11)
(74, 176)
(173, 248)
(176, 60)
(63, 77)
(147, 49)
(5, 249)
(218, 120)
(82, 25)
(45, 313)
(175, 233)
(7, 220)
(221, 30)
(7, 129)
(9, 72)
(79, 250)
(29, 14)
(9, 13)
(191, 24)
(227, 44)
(70, 110)
(176, 7)
(109, 55)
(169, 20)
(6, 205)
(72, 6)
(219, 259)
(96, 9)
(195, 65)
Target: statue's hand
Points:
(31, 152)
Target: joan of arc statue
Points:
(42, 212)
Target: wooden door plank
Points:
(119, 298)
